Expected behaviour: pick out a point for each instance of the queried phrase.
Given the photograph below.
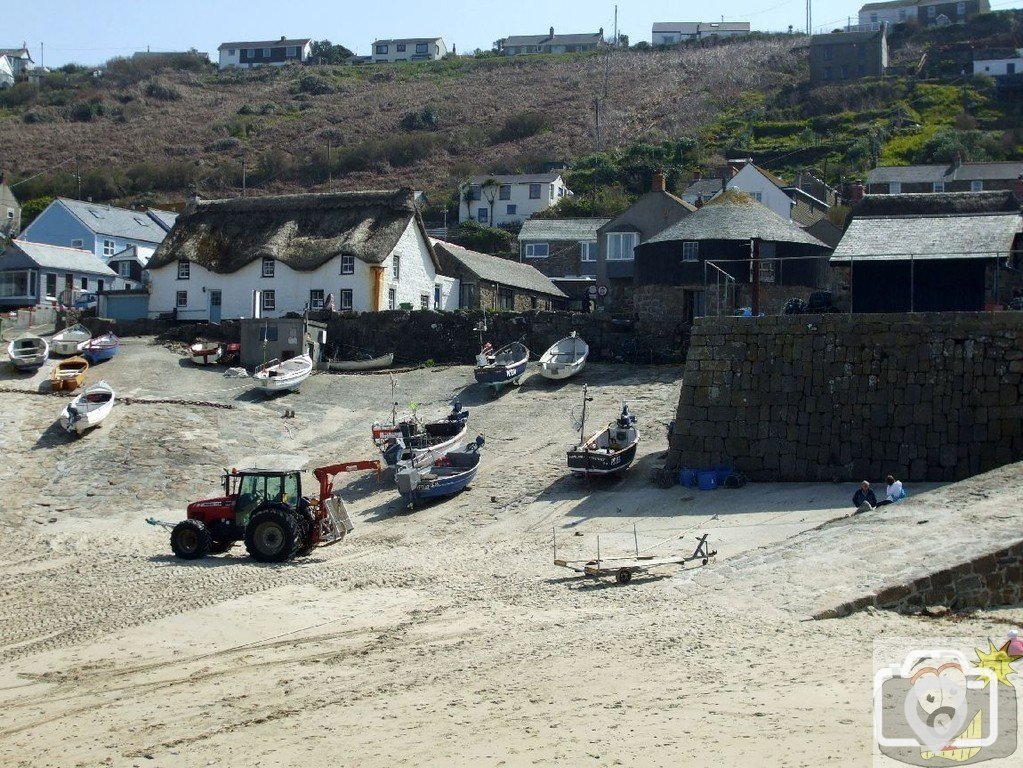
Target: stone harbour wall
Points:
(852, 397)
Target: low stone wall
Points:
(994, 579)
(840, 397)
(166, 330)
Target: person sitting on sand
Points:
(893, 491)
(864, 499)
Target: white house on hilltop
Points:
(673, 32)
(262, 53)
(513, 199)
(369, 250)
(408, 49)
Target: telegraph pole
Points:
(809, 18)
(243, 177)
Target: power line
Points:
(47, 170)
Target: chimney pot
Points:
(659, 184)
(283, 38)
(697, 175)
(857, 192)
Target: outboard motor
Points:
(392, 453)
(72, 417)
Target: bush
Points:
(425, 119)
(521, 126)
(85, 112)
(313, 85)
(17, 95)
(163, 91)
(479, 237)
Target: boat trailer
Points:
(623, 567)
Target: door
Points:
(1010, 68)
(214, 306)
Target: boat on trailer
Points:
(410, 439)
(370, 364)
(101, 348)
(70, 340)
(28, 353)
(277, 376)
(88, 409)
(444, 475)
(506, 366)
(206, 352)
(68, 374)
(565, 358)
(609, 451)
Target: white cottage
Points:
(288, 253)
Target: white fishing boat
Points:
(565, 358)
(28, 353)
(276, 376)
(371, 364)
(70, 341)
(206, 352)
(89, 408)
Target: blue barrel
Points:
(687, 478)
(707, 479)
(721, 473)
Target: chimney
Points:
(699, 201)
(697, 174)
(856, 192)
(552, 31)
(957, 161)
(283, 38)
(659, 184)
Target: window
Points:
(77, 243)
(381, 49)
(895, 188)
(20, 283)
(292, 52)
(505, 299)
(534, 191)
(551, 188)
(861, 51)
(758, 196)
(392, 299)
(184, 269)
(422, 47)
(182, 299)
(99, 286)
(512, 209)
(266, 53)
(230, 51)
(316, 299)
(85, 283)
(960, 9)
(124, 268)
(51, 284)
(10, 213)
(436, 297)
(270, 300)
(620, 245)
(873, 18)
(902, 14)
(474, 192)
(396, 267)
(767, 271)
(932, 11)
(268, 267)
(977, 186)
(690, 251)
(481, 215)
(505, 192)
(537, 250)
(347, 265)
(346, 299)
(400, 47)
(424, 301)
(108, 247)
(827, 73)
(588, 251)
(938, 186)
(861, 70)
(827, 53)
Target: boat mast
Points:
(582, 425)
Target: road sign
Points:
(592, 291)
(602, 291)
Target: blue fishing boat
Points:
(443, 476)
(505, 366)
(412, 438)
(101, 348)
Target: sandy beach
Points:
(436, 637)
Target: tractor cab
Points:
(252, 488)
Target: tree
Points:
(325, 52)
(490, 190)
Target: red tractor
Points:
(265, 508)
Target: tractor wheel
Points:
(191, 540)
(272, 535)
(220, 547)
(305, 533)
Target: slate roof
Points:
(286, 43)
(890, 4)
(953, 236)
(520, 178)
(131, 253)
(706, 188)
(58, 258)
(844, 38)
(518, 40)
(923, 174)
(497, 270)
(923, 204)
(734, 215)
(576, 39)
(301, 231)
(121, 222)
(428, 38)
(692, 27)
(553, 230)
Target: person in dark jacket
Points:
(864, 498)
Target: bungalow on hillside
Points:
(29, 272)
(19, 59)
(842, 56)
(268, 256)
(496, 284)
(10, 210)
(6, 72)
(956, 176)
(944, 252)
(731, 253)
(508, 199)
(265, 53)
(617, 241)
(674, 32)
(924, 12)
(519, 45)
(409, 49)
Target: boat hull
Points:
(588, 462)
(69, 374)
(558, 371)
(384, 361)
(101, 349)
(28, 353)
(206, 355)
(420, 485)
(500, 375)
(80, 415)
(70, 341)
(565, 358)
(275, 379)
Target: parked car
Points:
(86, 301)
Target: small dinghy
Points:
(206, 352)
(101, 348)
(410, 439)
(609, 451)
(566, 358)
(505, 366)
(444, 475)
(88, 409)
(371, 364)
(70, 341)
(69, 374)
(28, 353)
(276, 376)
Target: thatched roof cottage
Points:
(369, 250)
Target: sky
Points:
(92, 31)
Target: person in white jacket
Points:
(894, 490)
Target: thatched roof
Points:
(936, 204)
(302, 231)
(734, 215)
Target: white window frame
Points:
(184, 269)
(977, 185)
(108, 247)
(614, 254)
(690, 250)
(314, 303)
(124, 268)
(396, 268)
(537, 250)
(347, 265)
(938, 186)
(78, 243)
(588, 251)
(768, 270)
(346, 300)
(483, 215)
(424, 301)
(181, 300)
(10, 213)
(894, 187)
(266, 53)
(392, 298)
(381, 50)
(512, 209)
(422, 47)
(534, 188)
(504, 192)
(269, 300)
(271, 263)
